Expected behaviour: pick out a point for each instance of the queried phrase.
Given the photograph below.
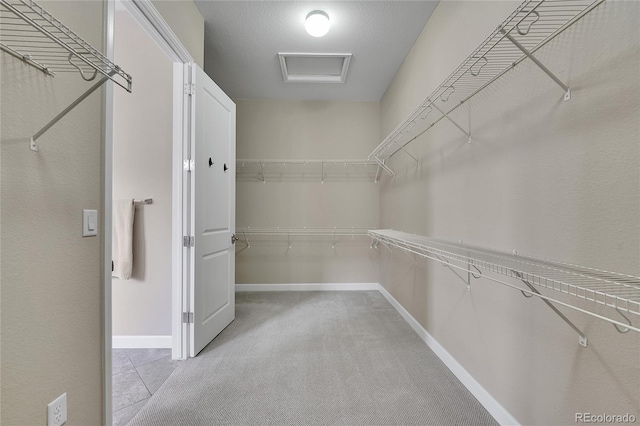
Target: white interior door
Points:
(212, 295)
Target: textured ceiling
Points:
(243, 38)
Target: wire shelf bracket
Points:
(596, 289)
(33, 35)
(532, 25)
(567, 90)
(582, 338)
(446, 115)
(33, 145)
(383, 166)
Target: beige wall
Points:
(51, 275)
(306, 130)
(142, 149)
(187, 23)
(553, 179)
(52, 295)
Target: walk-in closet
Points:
(389, 212)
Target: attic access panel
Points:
(314, 67)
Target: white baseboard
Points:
(494, 408)
(308, 287)
(141, 342)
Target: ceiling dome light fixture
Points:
(317, 23)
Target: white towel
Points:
(122, 248)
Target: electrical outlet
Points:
(57, 411)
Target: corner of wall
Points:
(185, 20)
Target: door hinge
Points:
(188, 165)
(188, 241)
(189, 89)
(187, 317)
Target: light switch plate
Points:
(89, 223)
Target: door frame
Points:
(157, 28)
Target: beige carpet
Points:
(314, 358)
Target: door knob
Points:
(234, 239)
(225, 168)
(210, 162)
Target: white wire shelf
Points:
(533, 24)
(308, 170)
(34, 35)
(597, 287)
(292, 236)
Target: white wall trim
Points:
(147, 16)
(178, 54)
(494, 408)
(107, 195)
(178, 330)
(308, 287)
(142, 342)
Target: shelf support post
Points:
(385, 244)
(582, 338)
(407, 252)
(375, 180)
(467, 134)
(446, 264)
(567, 90)
(33, 146)
(384, 166)
(405, 151)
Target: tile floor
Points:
(137, 374)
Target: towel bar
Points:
(145, 201)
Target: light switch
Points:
(89, 223)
